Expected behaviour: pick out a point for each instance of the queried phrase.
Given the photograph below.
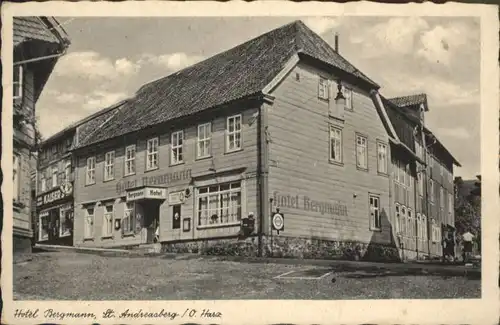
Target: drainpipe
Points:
(41, 58)
(262, 169)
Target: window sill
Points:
(128, 234)
(89, 184)
(176, 164)
(382, 174)
(375, 229)
(151, 169)
(107, 237)
(326, 100)
(220, 225)
(337, 163)
(233, 151)
(362, 169)
(88, 239)
(127, 175)
(108, 180)
(203, 158)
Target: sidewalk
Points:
(415, 268)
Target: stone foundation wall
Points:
(21, 244)
(286, 247)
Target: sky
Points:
(109, 59)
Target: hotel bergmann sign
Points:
(163, 179)
(147, 193)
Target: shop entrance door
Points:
(151, 220)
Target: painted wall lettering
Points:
(162, 179)
(303, 202)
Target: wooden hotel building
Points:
(281, 122)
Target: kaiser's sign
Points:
(55, 195)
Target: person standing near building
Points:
(467, 239)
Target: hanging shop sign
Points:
(147, 193)
(59, 193)
(176, 198)
(163, 179)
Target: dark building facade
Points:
(284, 126)
(38, 43)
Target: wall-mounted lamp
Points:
(340, 98)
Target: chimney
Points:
(337, 42)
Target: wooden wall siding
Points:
(299, 161)
(242, 162)
(22, 215)
(27, 106)
(48, 157)
(402, 126)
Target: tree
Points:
(468, 206)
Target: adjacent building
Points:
(38, 44)
(280, 124)
(55, 177)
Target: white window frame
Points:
(16, 179)
(204, 141)
(90, 171)
(109, 166)
(88, 229)
(375, 218)
(130, 215)
(398, 219)
(450, 207)
(176, 148)
(107, 220)
(382, 168)
(152, 154)
(43, 183)
(404, 210)
(55, 172)
(336, 154)
(420, 184)
(411, 223)
(359, 145)
(424, 221)
(130, 153)
(67, 172)
(235, 133)
(323, 88)
(431, 190)
(233, 218)
(17, 85)
(348, 98)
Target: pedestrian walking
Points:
(467, 239)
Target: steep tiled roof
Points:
(26, 28)
(410, 100)
(240, 72)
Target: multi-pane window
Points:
(43, 226)
(450, 208)
(219, 204)
(54, 176)
(130, 160)
(43, 183)
(128, 222)
(375, 220)
(18, 82)
(15, 177)
(348, 98)
(381, 158)
(361, 152)
(109, 166)
(152, 154)
(431, 190)
(398, 219)
(89, 223)
(90, 171)
(419, 226)
(403, 220)
(335, 144)
(177, 140)
(411, 224)
(323, 88)
(107, 224)
(233, 133)
(66, 220)
(204, 140)
(424, 221)
(420, 184)
(67, 172)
